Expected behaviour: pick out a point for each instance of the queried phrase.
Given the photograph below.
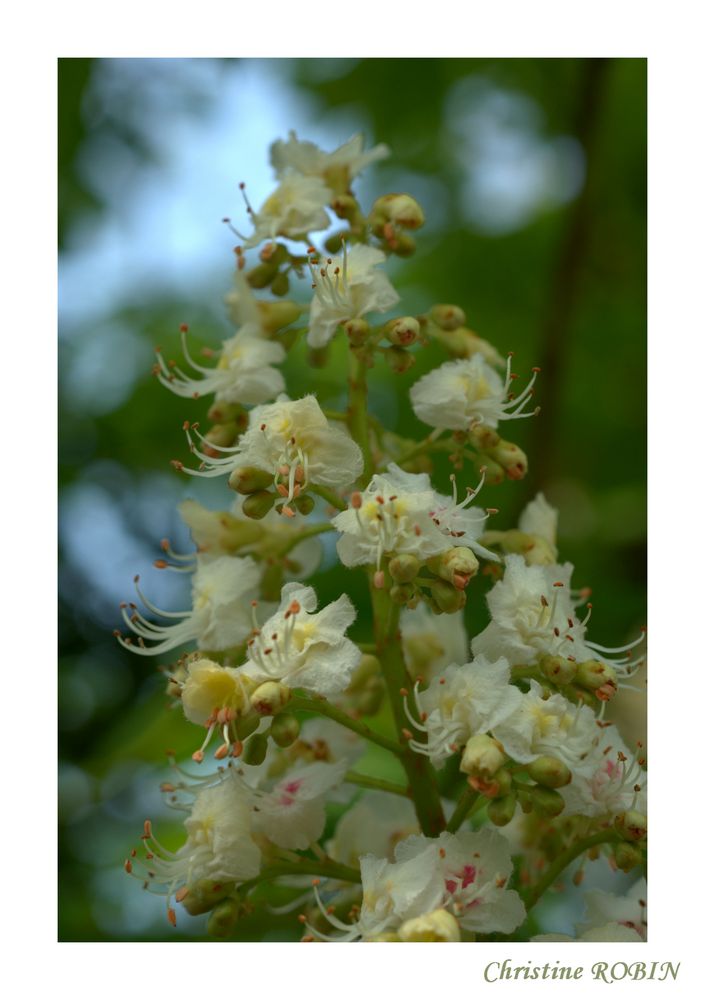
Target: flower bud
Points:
(204, 895)
(399, 360)
(631, 825)
(261, 274)
(447, 597)
(401, 209)
(402, 331)
(304, 504)
(493, 472)
(274, 316)
(550, 772)
(345, 206)
(485, 438)
(558, 669)
(357, 330)
(318, 357)
(547, 801)
(227, 413)
(403, 245)
(627, 856)
(270, 697)
(221, 436)
(334, 243)
(248, 479)
(439, 925)
(483, 755)
(447, 317)
(285, 729)
(258, 505)
(404, 568)
(501, 811)
(457, 566)
(511, 458)
(255, 749)
(224, 917)
(280, 285)
(598, 677)
(403, 593)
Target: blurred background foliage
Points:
(533, 177)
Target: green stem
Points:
(306, 866)
(357, 410)
(367, 781)
(419, 448)
(533, 895)
(301, 536)
(322, 707)
(329, 496)
(465, 803)
(420, 775)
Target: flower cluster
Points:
(286, 685)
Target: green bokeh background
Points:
(556, 274)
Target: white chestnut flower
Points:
(294, 442)
(460, 395)
(347, 287)
(218, 532)
(462, 702)
(374, 825)
(431, 642)
(303, 648)
(221, 592)
(295, 208)
(219, 847)
(533, 615)
(399, 513)
(552, 727)
(336, 168)
(612, 932)
(540, 519)
(629, 911)
(291, 810)
(243, 372)
(612, 782)
(464, 874)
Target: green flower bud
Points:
(224, 917)
(318, 357)
(485, 438)
(304, 504)
(399, 360)
(280, 285)
(558, 669)
(345, 206)
(457, 566)
(494, 473)
(261, 275)
(598, 677)
(403, 245)
(550, 772)
(227, 413)
(255, 749)
(275, 316)
(258, 505)
(447, 317)
(404, 568)
(511, 458)
(285, 729)
(368, 667)
(402, 593)
(483, 755)
(447, 597)
(248, 479)
(627, 856)
(631, 825)
(401, 209)
(501, 811)
(357, 330)
(369, 701)
(222, 435)
(334, 243)
(270, 697)
(402, 331)
(204, 895)
(547, 801)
